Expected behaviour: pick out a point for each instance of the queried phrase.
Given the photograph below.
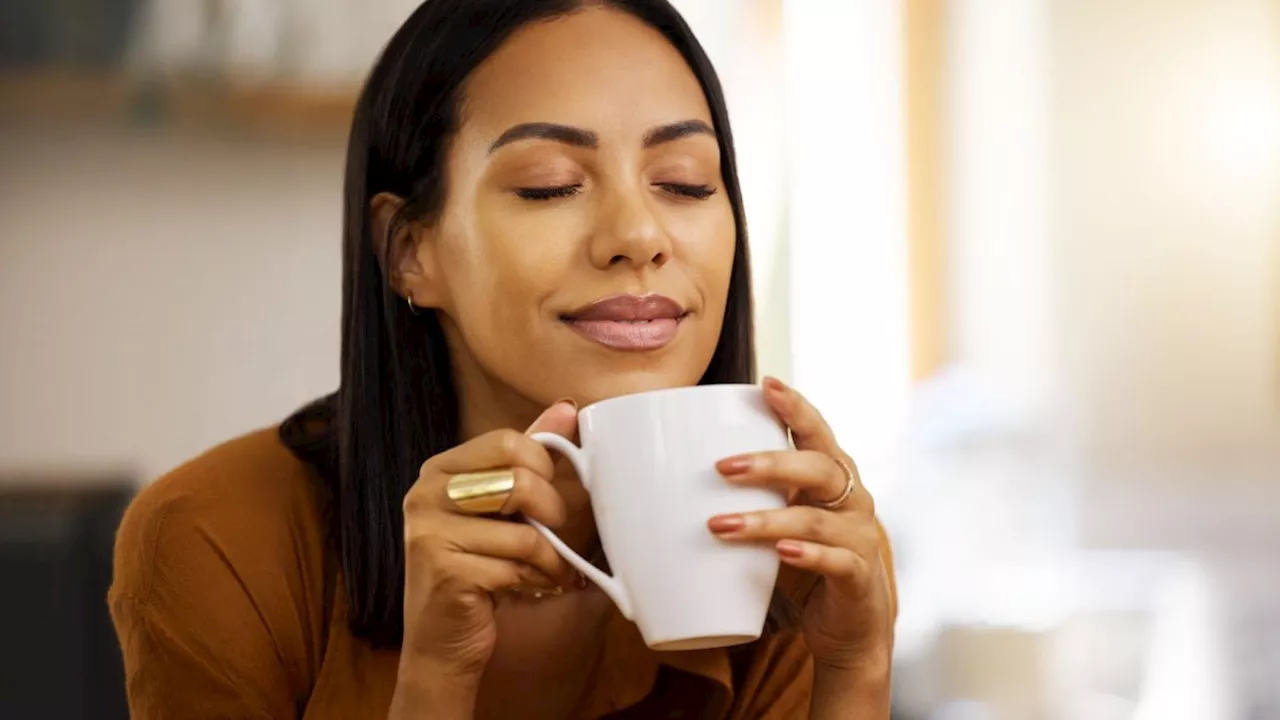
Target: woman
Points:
(511, 163)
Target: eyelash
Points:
(542, 194)
(692, 192)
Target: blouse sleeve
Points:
(211, 607)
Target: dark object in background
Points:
(59, 658)
(65, 35)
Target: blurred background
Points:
(1025, 254)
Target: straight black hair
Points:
(397, 405)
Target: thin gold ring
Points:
(482, 493)
(850, 483)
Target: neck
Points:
(485, 403)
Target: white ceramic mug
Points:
(648, 462)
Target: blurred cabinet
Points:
(86, 34)
(59, 658)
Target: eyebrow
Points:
(578, 137)
(676, 131)
(547, 131)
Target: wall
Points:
(1114, 256)
(1168, 212)
(158, 294)
(1167, 236)
(847, 249)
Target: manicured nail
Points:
(734, 465)
(723, 524)
(580, 581)
(773, 383)
(790, 549)
(568, 400)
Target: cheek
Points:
(496, 271)
(707, 245)
(501, 268)
(488, 292)
(532, 253)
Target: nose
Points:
(629, 233)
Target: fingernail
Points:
(773, 383)
(722, 524)
(580, 581)
(790, 549)
(734, 465)
(568, 401)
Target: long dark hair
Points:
(397, 404)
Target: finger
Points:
(561, 418)
(809, 431)
(815, 473)
(493, 574)
(533, 496)
(530, 494)
(836, 563)
(798, 522)
(505, 540)
(496, 449)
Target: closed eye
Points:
(548, 193)
(693, 192)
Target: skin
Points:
(502, 268)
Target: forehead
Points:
(598, 69)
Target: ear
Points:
(409, 264)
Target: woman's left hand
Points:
(848, 619)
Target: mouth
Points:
(628, 322)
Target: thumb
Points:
(561, 418)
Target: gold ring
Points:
(482, 493)
(850, 483)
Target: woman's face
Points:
(586, 240)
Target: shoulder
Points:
(221, 584)
(247, 501)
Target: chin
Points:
(611, 385)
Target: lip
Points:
(628, 322)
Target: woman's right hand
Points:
(455, 562)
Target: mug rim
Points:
(682, 390)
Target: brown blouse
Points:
(228, 605)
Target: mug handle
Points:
(609, 584)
